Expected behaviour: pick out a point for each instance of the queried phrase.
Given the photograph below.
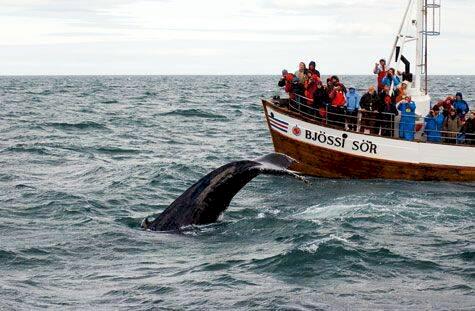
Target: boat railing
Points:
(367, 122)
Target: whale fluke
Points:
(205, 200)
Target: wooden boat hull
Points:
(322, 160)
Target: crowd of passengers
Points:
(448, 121)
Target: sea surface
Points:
(83, 159)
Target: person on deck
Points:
(434, 122)
(298, 91)
(380, 71)
(286, 81)
(302, 72)
(468, 129)
(310, 86)
(461, 106)
(312, 69)
(387, 112)
(352, 107)
(391, 79)
(369, 108)
(320, 99)
(408, 119)
(401, 91)
(452, 125)
(336, 111)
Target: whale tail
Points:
(205, 200)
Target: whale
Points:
(209, 197)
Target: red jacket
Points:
(311, 86)
(288, 82)
(381, 76)
(338, 98)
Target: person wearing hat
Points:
(311, 67)
(434, 122)
(461, 106)
(352, 107)
(408, 118)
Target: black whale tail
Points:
(204, 201)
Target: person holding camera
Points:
(434, 122)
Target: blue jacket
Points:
(434, 125)
(461, 107)
(386, 81)
(352, 100)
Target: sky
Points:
(41, 37)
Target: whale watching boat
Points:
(326, 148)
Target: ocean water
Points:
(84, 159)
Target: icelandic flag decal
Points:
(278, 124)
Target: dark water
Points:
(84, 159)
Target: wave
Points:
(79, 126)
(194, 113)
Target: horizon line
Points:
(198, 74)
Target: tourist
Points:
(401, 92)
(447, 105)
(312, 69)
(468, 129)
(380, 71)
(320, 99)
(352, 106)
(434, 122)
(301, 73)
(310, 86)
(391, 79)
(452, 125)
(336, 112)
(335, 81)
(461, 106)
(387, 112)
(408, 119)
(286, 81)
(369, 107)
(298, 90)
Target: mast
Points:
(421, 19)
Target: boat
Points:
(326, 149)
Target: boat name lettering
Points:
(365, 146)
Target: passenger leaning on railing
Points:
(408, 118)
(352, 107)
(434, 122)
(452, 125)
(369, 111)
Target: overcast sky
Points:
(218, 36)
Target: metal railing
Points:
(374, 122)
